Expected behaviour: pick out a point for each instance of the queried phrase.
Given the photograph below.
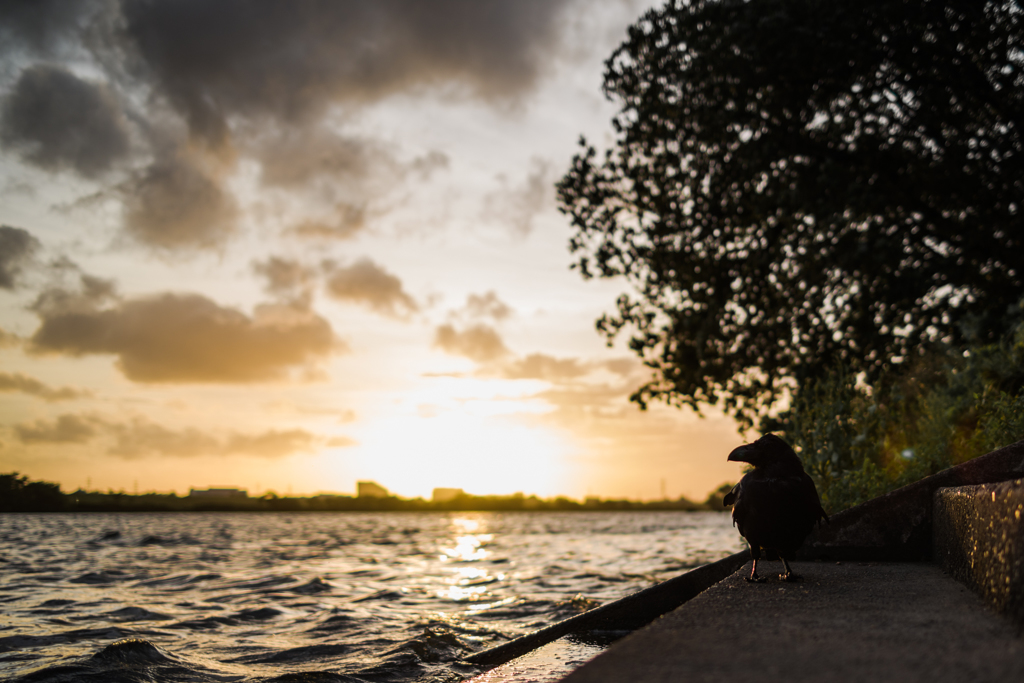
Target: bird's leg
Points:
(754, 578)
(789, 575)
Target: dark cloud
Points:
(368, 284)
(17, 247)
(543, 366)
(29, 385)
(289, 60)
(58, 121)
(43, 27)
(252, 79)
(176, 204)
(184, 337)
(479, 343)
(65, 429)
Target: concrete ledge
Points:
(846, 622)
(623, 615)
(979, 540)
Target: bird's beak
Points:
(740, 454)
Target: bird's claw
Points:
(790, 577)
(755, 579)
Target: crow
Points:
(775, 505)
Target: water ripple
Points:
(339, 597)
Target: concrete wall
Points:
(898, 525)
(978, 537)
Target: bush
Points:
(859, 442)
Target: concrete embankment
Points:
(978, 534)
(901, 588)
(847, 621)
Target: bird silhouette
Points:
(775, 506)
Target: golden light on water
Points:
(467, 584)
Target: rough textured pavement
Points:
(849, 621)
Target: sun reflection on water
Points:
(467, 584)
(467, 549)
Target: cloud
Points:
(29, 385)
(427, 164)
(345, 221)
(191, 82)
(262, 81)
(368, 284)
(479, 343)
(285, 277)
(344, 181)
(141, 438)
(175, 204)
(290, 60)
(67, 428)
(517, 206)
(542, 366)
(8, 339)
(624, 367)
(17, 247)
(565, 372)
(486, 306)
(294, 157)
(184, 337)
(91, 293)
(43, 27)
(58, 121)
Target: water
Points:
(315, 597)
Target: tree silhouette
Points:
(18, 494)
(797, 183)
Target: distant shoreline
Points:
(18, 494)
(117, 502)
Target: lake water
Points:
(315, 597)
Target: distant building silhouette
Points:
(370, 489)
(442, 495)
(218, 493)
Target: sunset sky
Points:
(291, 245)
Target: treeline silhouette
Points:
(18, 494)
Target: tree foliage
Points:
(858, 442)
(18, 494)
(796, 184)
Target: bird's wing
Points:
(777, 510)
(810, 496)
(730, 497)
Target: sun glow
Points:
(483, 455)
(464, 434)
